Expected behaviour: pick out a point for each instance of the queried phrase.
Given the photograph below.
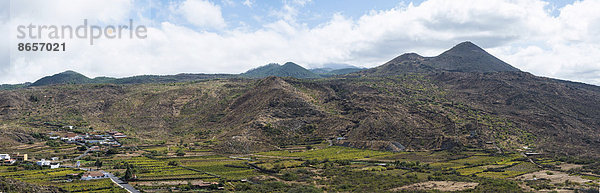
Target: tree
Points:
(180, 152)
(98, 164)
(53, 143)
(112, 151)
(129, 173)
(173, 163)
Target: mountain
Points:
(468, 57)
(289, 69)
(403, 64)
(335, 69)
(71, 77)
(414, 102)
(67, 77)
(464, 57)
(143, 79)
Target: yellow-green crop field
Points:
(58, 178)
(150, 169)
(331, 153)
(225, 168)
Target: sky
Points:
(557, 39)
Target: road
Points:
(121, 184)
(87, 150)
(113, 178)
(82, 155)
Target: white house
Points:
(4, 156)
(71, 137)
(93, 175)
(43, 162)
(54, 165)
(10, 161)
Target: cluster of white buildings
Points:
(93, 175)
(8, 160)
(109, 138)
(44, 162)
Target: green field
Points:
(58, 178)
(149, 169)
(331, 153)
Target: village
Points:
(89, 142)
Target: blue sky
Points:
(552, 38)
(312, 13)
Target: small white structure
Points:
(4, 156)
(93, 175)
(54, 158)
(43, 162)
(10, 161)
(54, 165)
(71, 137)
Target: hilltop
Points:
(67, 77)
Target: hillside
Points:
(288, 69)
(406, 103)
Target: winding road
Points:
(112, 177)
(121, 183)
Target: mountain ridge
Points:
(463, 57)
(407, 101)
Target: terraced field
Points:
(157, 170)
(59, 178)
(331, 153)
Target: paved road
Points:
(87, 150)
(82, 155)
(122, 184)
(113, 178)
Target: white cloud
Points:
(521, 32)
(69, 11)
(228, 2)
(202, 13)
(248, 3)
